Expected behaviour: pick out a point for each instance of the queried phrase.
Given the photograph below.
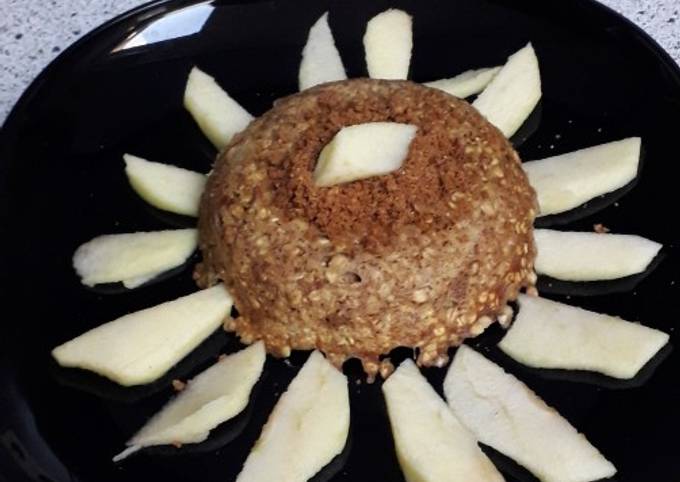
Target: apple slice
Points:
(307, 428)
(513, 92)
(132, 258)
(468, 83)
(364, 150)
(164, 186)
(218, 115)
(585, 256)
(214, 396)
(388, 42)
(141, 347)
(431, 444)
(505, 414)
(566, 181)
(321, 60)
(547, 334)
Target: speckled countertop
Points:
(33, 32)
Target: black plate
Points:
(63, 183)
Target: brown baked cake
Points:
(423, 257)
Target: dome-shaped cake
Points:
(423, 257)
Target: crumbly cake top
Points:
(451, 161)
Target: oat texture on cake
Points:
(423, 257)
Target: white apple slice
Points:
(431, 444)
(566, 181)
(363, 150)
(547, 334)
(214, 396)
(140, 347)
(218, 115)
(307, 428)
(468, 83)
(164, 186)
(388, 42)
(137, 281)
(321, 60)
(586, 256)
(505, 414)
(132, 258)
(513, 93)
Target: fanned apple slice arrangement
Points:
(431, 443)
(309, 425)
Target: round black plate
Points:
(62, 183)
